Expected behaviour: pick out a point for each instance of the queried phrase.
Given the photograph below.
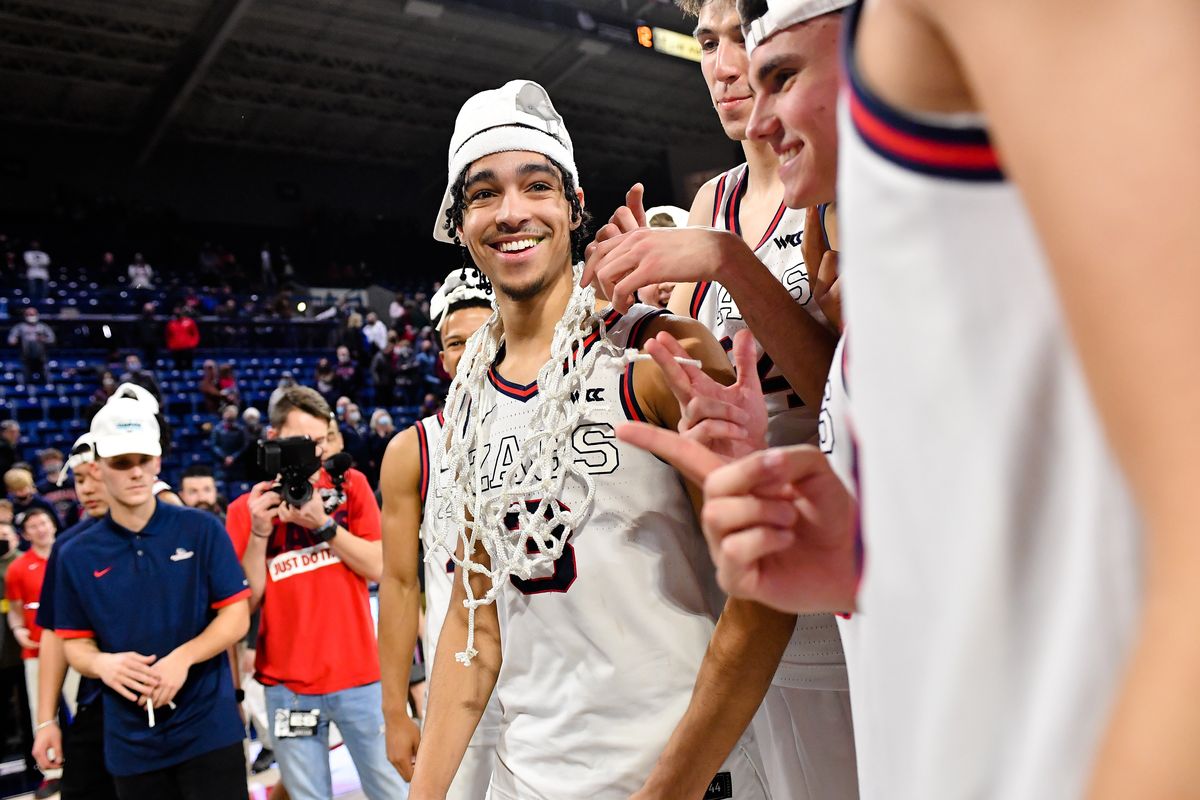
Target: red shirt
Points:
(24, 583)
(316, 634)
(182, 334)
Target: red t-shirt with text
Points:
(24, 583)
(316, 634)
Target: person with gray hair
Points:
(33, 337)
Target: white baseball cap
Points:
(123, 426)
(82, 452)
(783, 14)
(459, 285)
(517, 116)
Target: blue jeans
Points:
(304, 760)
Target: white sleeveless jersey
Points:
(790, 421)
(439, 574)
(1003, 552)
(813, 658)
(602, 651)
(834, 424)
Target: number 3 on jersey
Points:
(564, 568)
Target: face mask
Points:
(355, 418)
(384, 422)
(4, 547)
(32, 318)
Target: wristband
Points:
(239, 695)
(326, 531)
(43, 725)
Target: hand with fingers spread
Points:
(127, 674)
(731, 421)
(822, 263)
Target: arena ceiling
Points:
(375, 81)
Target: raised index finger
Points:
(634, 202)
(693, 460)
(766, 470)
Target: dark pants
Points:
(35, 371)
(183, 357)
(84, 775)
(219, 775)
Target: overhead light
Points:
(424, 9)
(107, 331)
(302, 306)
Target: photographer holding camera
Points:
(310, 542)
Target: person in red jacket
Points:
(183, 337)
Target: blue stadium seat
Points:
(59, 408)
(27, 409)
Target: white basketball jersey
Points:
(439, 574)
(1001, 589)
(600, 652)
(790, 421)
(813, 658)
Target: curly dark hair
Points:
(579, 236)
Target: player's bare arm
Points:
(458, 695)
(52, 671)
(1082, 167)
(701, 213)
(399, 593)
(749, 639)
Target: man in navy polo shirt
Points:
(148, 601)
(82, 743)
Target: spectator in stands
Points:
(426, 361)
(6, 512)
(33, 337)
(325, 380)
(286, 381)
(252, 432)
(23, 589)
(340, 408)
(396, 311)
(23, 494)
(141, 274)
(347, 377)
(63, 498)
(198, 489)
(228, 441)
(382, 431)
(429, 406)
(174, 674)
(227, 383)
(137, 374)
(252, 424)
(354, 436)
(407, 374)
(375, 332)
(383, 373)
(317, 646)
(108, 385)
(10, 444)
(183, 337)
(148, 334)
(37, 271)
(107, 271)
(210, 391)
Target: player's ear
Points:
(576, 221)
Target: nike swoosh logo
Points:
(100, 573)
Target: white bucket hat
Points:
(677, 214)
(517, 116)
(783, 14)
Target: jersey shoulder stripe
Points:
(961, 153)
(423, 447)
(718, 196)
(629, 402)
(639, 327)
(698, 295)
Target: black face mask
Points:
(4, 547)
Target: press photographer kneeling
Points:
(309, 543)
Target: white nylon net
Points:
(532, 486)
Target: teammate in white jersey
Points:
(1003, 591)
(758, 277)
(605, 646)
(410, 465)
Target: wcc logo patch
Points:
(721, 787)
(788, 240)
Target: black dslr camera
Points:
(294, 460)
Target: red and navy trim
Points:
(958, 153)
(68, 633)
(734, 207)
(233, 598)
(698, 295)
(525, 392)
(717, 198)
(629, 401)
(423, 447)
(639, 327)
(771, 228)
